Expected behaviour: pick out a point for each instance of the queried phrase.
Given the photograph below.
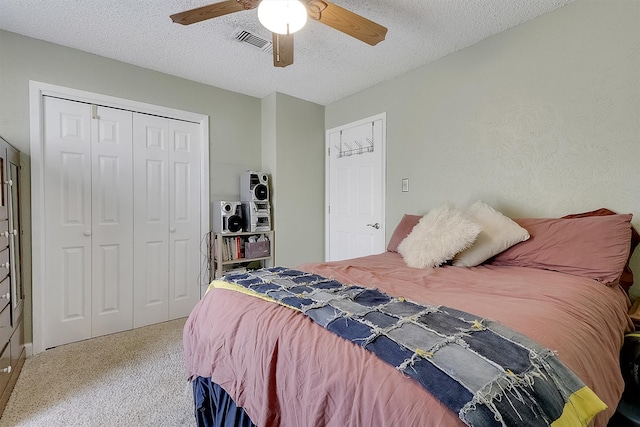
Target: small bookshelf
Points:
(236, 252)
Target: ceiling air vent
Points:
(255, 41)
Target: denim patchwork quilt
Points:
(486, 373)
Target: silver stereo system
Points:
(256, 216)
(254, 187)
(227, 217)
(256, 208)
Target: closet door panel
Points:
(112, 222)
(67, 192)
(151, 218)
(184, 236)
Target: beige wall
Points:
(293, 153)
(541, 120)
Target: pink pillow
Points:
(402, 231)
(595, 247)
(626, 279)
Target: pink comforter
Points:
(285, 370)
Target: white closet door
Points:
(67, 190)
(184, 217)
(151, 219)
(89, 221)
(112, 222)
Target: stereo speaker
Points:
(227, 217)
(254, 187)
(256, 216)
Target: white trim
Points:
(37, 90)
(327, 182)
(28, 349)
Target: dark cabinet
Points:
(12, 350)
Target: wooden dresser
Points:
(12, 350)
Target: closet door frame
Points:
(38, 90)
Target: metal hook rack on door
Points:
(360, 149)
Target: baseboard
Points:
(28, 348)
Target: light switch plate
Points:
(405, 185)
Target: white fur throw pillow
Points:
(438, 236)
(498, 234)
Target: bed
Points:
(562, 284)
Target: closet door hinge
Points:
(94, 111)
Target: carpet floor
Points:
(132, 378)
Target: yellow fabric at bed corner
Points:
(582, 406)
(221, 284)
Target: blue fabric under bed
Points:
(215, 408)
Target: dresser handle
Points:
(5, 234)
(5, 296)
(9, 182)
(5, 265)
(6, 370)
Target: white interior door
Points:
(356, 189)
(167, 218)
(67, 191)
(111, 222)
(151, 218)
(89, 246)
(184, 217)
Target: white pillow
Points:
(438, 236)
(498, 234)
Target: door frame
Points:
(37, 91)
(327, 175)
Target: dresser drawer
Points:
(4, 263)
(5, 362)
(5, 287)
(4, 228)
(5, 325)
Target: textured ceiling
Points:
(328, 65)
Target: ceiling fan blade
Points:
(207, 12)
(282, 50)
(346, 21)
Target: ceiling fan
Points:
(284, 17)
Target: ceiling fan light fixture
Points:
(282, 16)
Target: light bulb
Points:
(282, 16)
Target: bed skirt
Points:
(215, 408)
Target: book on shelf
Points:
(233, 247)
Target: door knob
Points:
(87, 233)
(376, 225)
(172, 229)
